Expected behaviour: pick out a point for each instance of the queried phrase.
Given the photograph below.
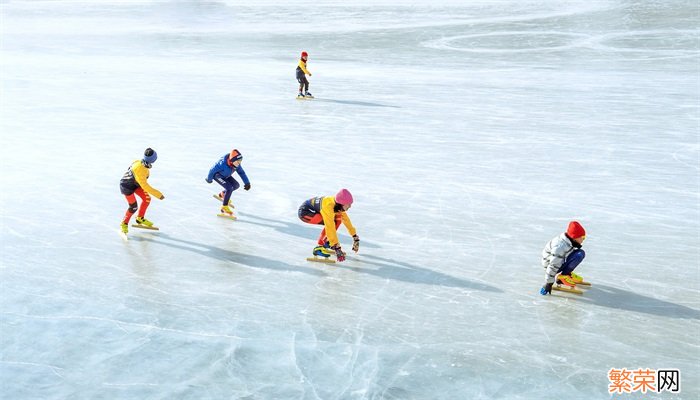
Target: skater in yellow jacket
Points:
(330, 211)
(135, 181)
(301, 77)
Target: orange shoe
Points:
(566, 281)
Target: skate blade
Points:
(233, 217)
(321, 260)
(584, 283)
(568, 290)
(150, 228)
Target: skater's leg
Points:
(133, 207)
(229, 185)
(313, 219)
(301, 78)
(145, 201)
(572, 261)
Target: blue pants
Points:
(229, 185)
(572, 261)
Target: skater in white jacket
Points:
(561, 256)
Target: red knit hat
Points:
(575, 230)
(304, 54)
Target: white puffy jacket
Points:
(554, 255)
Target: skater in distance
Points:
(222, 172)
(330, 211)
(135, 181)
(301, 77)
(561, 256)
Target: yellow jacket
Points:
(302, 66)
(141, 174)
(327, 207)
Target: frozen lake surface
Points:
(470, 133)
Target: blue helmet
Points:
(149, 157)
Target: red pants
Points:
(131, 199)
(317, 219)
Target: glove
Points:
(339, 253)
(546, 289)
(355, 243)
(246, 186)
(162, 197)
(207, 180)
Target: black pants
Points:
(303, 82)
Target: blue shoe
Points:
(321, 252)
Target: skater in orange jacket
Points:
(135, 181)
(330, 211)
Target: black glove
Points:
(546, 289)
(339, 253)
(246, 186)
(207, 180)
(355, 243)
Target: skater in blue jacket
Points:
(222, 173)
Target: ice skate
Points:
(308, 95)
(579, 280)
(143, 223)
(124, 230)
(321, 254)
(322, 251)
(226, 212)
(566, 280)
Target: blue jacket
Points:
(222, 168)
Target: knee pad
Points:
(133, 207)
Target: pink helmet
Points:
(343, 197)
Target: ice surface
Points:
(470, 133)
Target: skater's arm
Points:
(242, 174)
(348, 224)
(556, 259)
(141, 176)
(329, 219)
(216, 168)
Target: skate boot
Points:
(566, 281)
(576, 278)
(226, 210)
(143, 221)
(321, 251)
(300, 95)
(308, 95)
(125, 227)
